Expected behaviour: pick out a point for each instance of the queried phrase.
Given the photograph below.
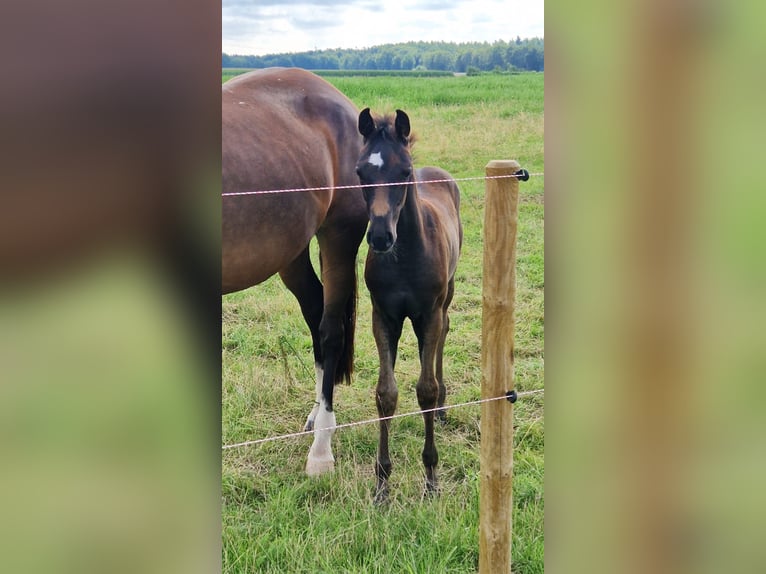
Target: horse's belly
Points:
(252, 256)
(244, 267)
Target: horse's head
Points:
(385, 165)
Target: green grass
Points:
(384, 73)
(229, 73)
(275, 519)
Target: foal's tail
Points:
(346, 361)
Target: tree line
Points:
(516, 55)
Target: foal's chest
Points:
(402, 291)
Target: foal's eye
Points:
(360, 174)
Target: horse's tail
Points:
(345, 366)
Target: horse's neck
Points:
(411, 218)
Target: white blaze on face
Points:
(376, 159)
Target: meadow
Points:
(275, 519)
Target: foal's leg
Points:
(301, 279)
(387, 334)
(429, 332)
(440, 414)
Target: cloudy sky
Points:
(260, 27)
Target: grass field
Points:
(277, 520)
(229, 73)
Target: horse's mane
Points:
(385, 125)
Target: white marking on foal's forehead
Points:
(376, 159)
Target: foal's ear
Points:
(366, 123)
(402, 125)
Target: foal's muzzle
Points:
(381, 242)
(381, 235)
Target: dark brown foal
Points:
(414, 241)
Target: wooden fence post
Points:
(498, 292)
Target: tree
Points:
(384, 60)
(527, 54)
(463, 61)
(441, 60)
(519, 57)
(534, 60)
(497, 57)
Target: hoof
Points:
(319, 466)
(381, 497)
(431, 488)
(431, 491)
(309, 426)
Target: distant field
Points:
(231, 72)
(277, 520)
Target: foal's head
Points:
(386, 165)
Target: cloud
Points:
(438, 5)
(251, 6)
(313, 22)
(274, 26)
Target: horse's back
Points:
(442, 198)
(286, 127)
(281, 129)
(441, 191)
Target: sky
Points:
(258, 27)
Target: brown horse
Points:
(415, 236)
(287, 129)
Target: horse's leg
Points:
(301, 279)
(440, 414)
(429, 331)
(387, 334)
(338, 260)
